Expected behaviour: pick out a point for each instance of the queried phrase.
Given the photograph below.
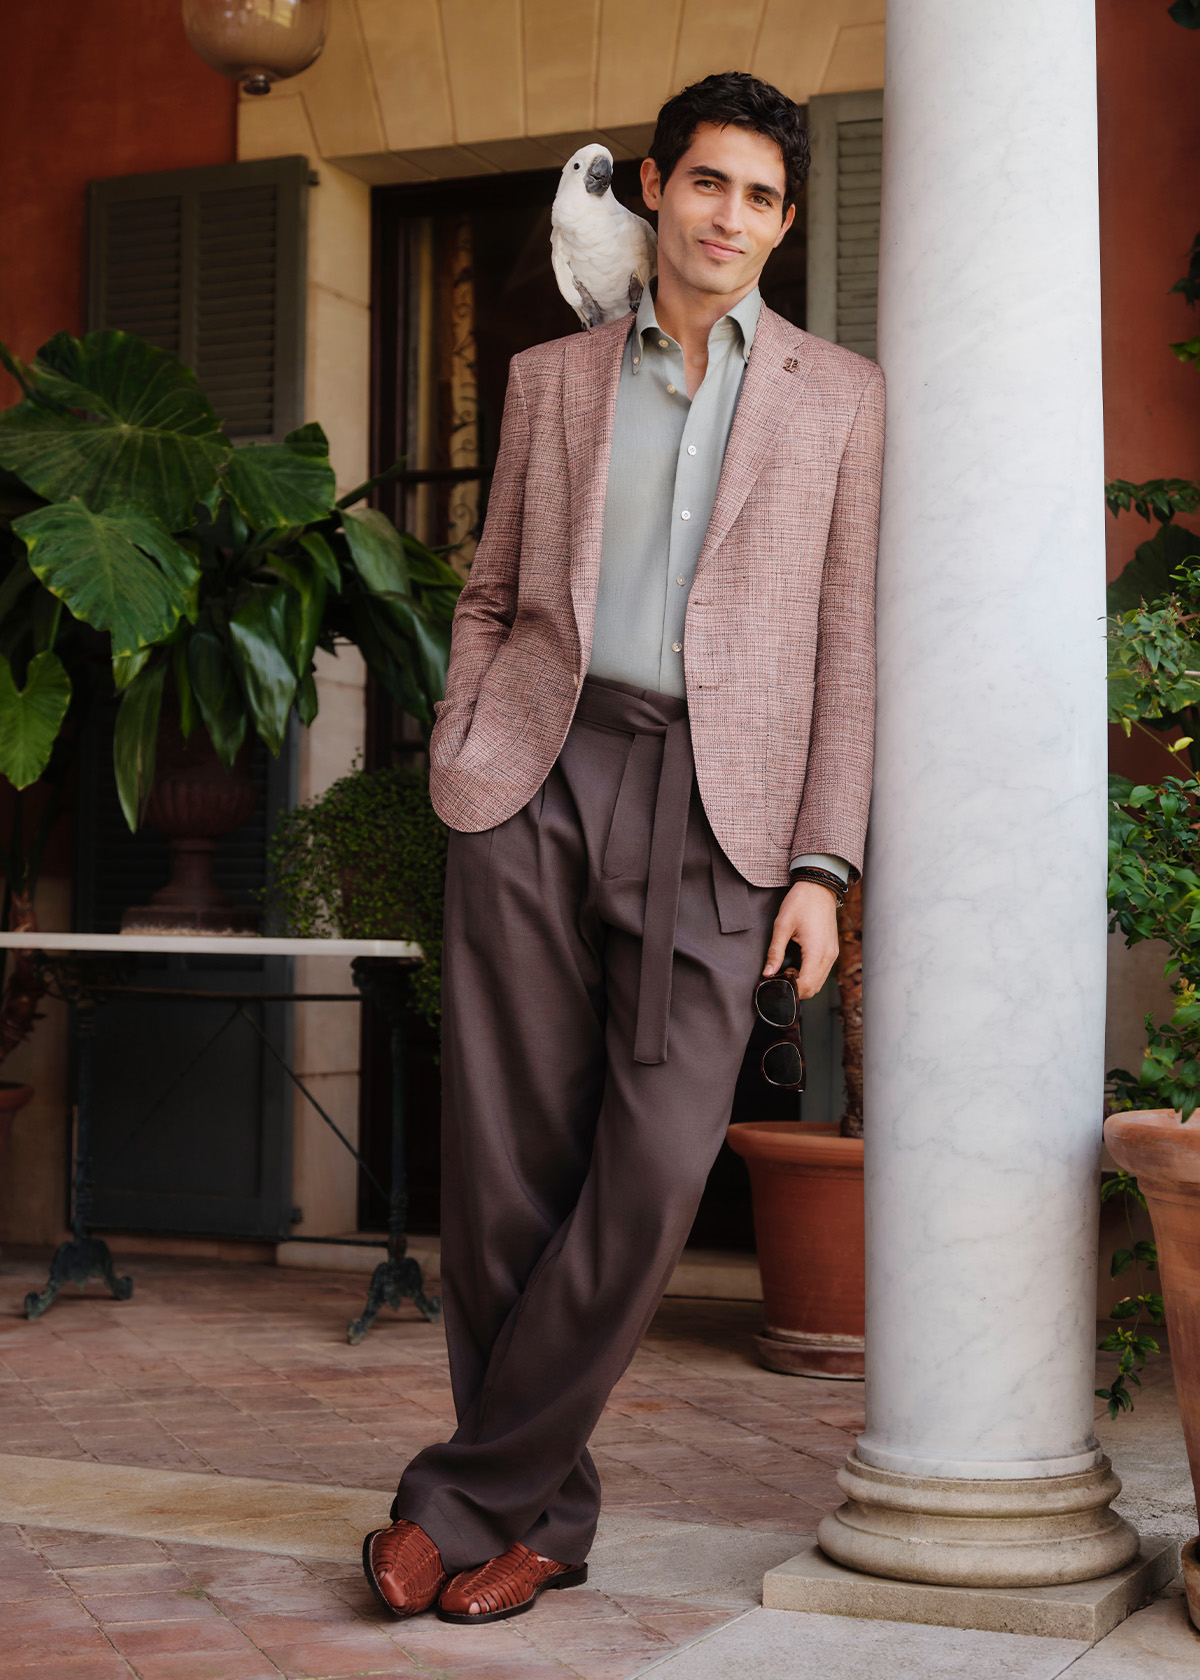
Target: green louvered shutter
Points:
(846, 133)
(210, 264)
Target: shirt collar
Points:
(744, 315)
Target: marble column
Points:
(985, 933)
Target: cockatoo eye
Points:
(576, 166)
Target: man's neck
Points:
(689, 316)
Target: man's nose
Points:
(727, 216)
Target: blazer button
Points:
(575, 678)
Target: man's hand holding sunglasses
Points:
(807, 915)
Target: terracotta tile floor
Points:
(245, 1370)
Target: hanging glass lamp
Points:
(256, 42)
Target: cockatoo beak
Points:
(599, 175)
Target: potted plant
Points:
(806, 1181)
(146, 556)
(366, 860)
(1154, 893)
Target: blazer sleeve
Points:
(837, 782)
(487, 604)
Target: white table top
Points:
(215, 945)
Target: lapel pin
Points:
(791, 365)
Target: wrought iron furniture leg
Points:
(398, 1278)
(83, 1257)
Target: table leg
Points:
(398, 1278)
(83, 1257)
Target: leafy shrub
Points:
(366, 860)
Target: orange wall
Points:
(93, 88)
(1149, 76)
(1149, 85)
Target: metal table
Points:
(87, 969)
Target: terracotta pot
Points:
(807, 1185)
(1164, 1157)
(194, 800)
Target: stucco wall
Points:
(90, 91)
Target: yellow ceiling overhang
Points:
(412, 90)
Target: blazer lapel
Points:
(776, 374)
(591, 376)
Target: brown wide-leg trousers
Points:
(600, 959)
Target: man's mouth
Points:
(718, 248)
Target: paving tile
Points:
(333, 1622)
(124, 1577)
(66, 1551)
(59, 1610)
(186, 1606)
(619, 1636)
(206, 1665)
(333, 1659)
(19, 1579)
(679, 1627)
(109, 1667)
(138, 1640)
(20, 1647)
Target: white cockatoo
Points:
(604, 256)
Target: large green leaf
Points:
(377, 552)
(151, 438)
(430, 641)
(135, 739)
(31, 717)
(282, 484)
(322, 557)
(120, 572)
(259, 635)
(305, 626)
(215, 687)
(1148, 574)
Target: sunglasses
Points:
(778, 1004)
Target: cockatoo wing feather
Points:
(562, 273)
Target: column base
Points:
(951, 1531)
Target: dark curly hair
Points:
(737, 99)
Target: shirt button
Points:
(691, 448)
(662, 344)
(636, 360)
(679, 581)
(676, 647)
(671, 388)
(685, 514)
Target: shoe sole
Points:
(374, 1584)
(570, 1578)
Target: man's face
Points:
(720, 214)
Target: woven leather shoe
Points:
(404, 1568)
(505, 1586)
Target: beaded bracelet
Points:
(823, 878)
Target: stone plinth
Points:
(1085, 1610)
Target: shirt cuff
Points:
(823, 860)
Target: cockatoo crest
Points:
(604, 256)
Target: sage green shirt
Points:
(663, 472)
(665, 465)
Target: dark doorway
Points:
(462, 282)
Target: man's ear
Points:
(787, 222)
(651, 184)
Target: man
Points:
(659, 709)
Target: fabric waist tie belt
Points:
(653, 719)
